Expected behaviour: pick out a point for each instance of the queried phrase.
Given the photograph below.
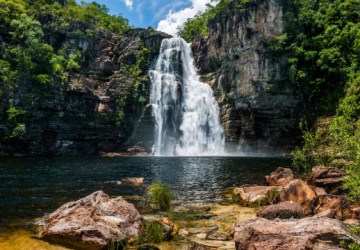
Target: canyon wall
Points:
(97, 109)
(260, 110)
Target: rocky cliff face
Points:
(259, 110)
(97, 110)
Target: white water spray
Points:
(185, 110)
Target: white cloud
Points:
(129, 3)
(175, 20)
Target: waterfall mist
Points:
(185, 110)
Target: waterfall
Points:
(185, 110)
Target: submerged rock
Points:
(280, 177)
(147, 247)
(256, 195)
(306, 233)
(283, 210)
(222, 236)
(133, 181)
(92, 222)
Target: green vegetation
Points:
(323, 41)
(153, 232)
(160, 195)
(36, 57)
(197, 26)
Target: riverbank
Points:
(293, 208)
(197, 222)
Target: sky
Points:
(163, 15)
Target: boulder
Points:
(280, 177)
(306, 233)
(92, 222)
(299, 192)
(335, 203)
(256, 195)
(329, 178)
(283, 210)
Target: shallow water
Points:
(33, 187)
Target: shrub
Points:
(160, 195)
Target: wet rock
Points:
(299, 192)
(306, 233)
(169, 227)
(133, 181)
(280, 177)
(329, 178)
(203, 245)
(91, 222)
(283, 210)
(200, 236)
(198, 246)
(222, 236)
(205, 230)
(256, 195)
(137, 149)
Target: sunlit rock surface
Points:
(306, 233)
(92, 222)
(260, 110)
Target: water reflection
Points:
(32, 187)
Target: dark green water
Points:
(33, 187)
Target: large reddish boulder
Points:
(299, 192)
(92, 222)
(330, 178)
(256, 195)
(283, 210)
(306, 233)
(280, 177)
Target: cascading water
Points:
(185, 110)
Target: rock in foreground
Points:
(299, 192)
(306, 233)
(91, 222)
(255, 195)
(283, 210)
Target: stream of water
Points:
(185, 110)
